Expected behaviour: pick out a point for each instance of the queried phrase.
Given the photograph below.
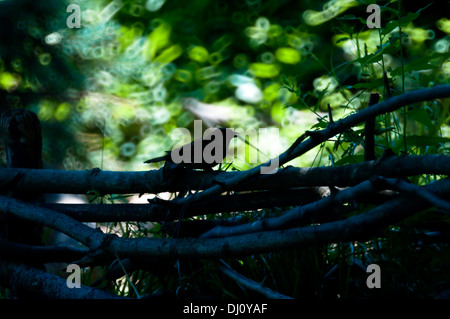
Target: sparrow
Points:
(213, 148)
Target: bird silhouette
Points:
(213, 148)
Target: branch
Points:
(352, 228)
(92, 238)
(107, 182)
(314, 210)
(317, 137)
(293, 216)
(157, 213)
(32, 282)
(369, 131)
(80, 182)
(389, 105)
(40, 254)
(250, 284)
(417, 191)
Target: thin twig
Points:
(250, 284)
(128, 277)
(418, 191)
(293, 216)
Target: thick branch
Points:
(353, 228)
(80, 182)
(13, 208)
(315, 209)
(293, 216)
(107, 182)
(32, 282)
(157, 213)
(417, 191)
(40, 254)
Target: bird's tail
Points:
(156, 159)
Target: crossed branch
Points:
(310, 220)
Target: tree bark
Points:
(34, 283)
(108, 182)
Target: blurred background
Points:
(109, 94)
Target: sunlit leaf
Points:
(403, 21)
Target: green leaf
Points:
(297, 106)
(427, 62)
(422, 141)
(384, 130)
(286, 81)
(370, 85)
(352, 17)
(370, 58)
(342, 39)
(390, 47)
(421, 116)
(403, 21)
(350, 160)
(320, 125)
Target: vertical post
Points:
(22, 139)
(369, 142)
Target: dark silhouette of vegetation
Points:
(362, 152)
